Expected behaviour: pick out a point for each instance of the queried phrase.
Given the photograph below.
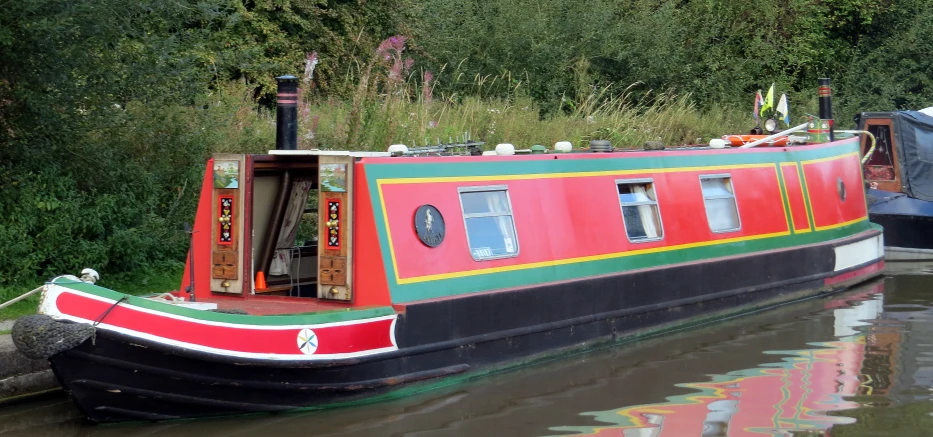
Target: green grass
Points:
(672, 119)
(158, 279)
(373, 119)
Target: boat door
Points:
(881, 170)
(227, 240)
(335, 202)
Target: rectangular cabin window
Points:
(487, 216)
(640, 213)
(719, 198)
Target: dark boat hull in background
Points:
(907, 223)
(119, 377)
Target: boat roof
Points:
(356, 154)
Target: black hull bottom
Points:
(907, 232)
(121, 378)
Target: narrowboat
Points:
(322, 278)
(900, 177)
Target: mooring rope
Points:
(20, 297)
(100, 318)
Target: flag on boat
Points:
(782, 109)
(769, 100)
(758, 102)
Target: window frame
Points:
(465, 216)
(653, 202)
(735, 201)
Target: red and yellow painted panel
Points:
(823, 179)
(796, 199)
(575, 217)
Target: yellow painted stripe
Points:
(582, 259)
(839, 225)
(385, 218)
(567, 174)
(785, 202)
(805, 191)
(831, 158)
(802, 197)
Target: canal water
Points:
(859, 363)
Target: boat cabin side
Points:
(279, 226)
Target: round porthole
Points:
(429, 225)
(841, 188)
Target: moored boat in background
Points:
(444, 262)
(900, 176)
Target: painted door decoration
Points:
(334, 259)
(227, 234)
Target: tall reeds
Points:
(395, 102)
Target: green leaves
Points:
(108, 108)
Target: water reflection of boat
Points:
(794, 394)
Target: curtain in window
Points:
(496, 201)
(646, 212)
(282, 259)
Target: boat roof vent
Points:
(398, 149)
(505, 149)
(717, 143)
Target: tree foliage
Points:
(720, 51)
(108, 108)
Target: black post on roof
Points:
(826, 104)
(286, 117)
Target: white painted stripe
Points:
(47, 306)
(229, 353)
(860, 252)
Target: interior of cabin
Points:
(881, 169)
(284, 230)
(280, 227)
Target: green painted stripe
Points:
(240, 319)
(411, 168)
(492, 281)
(482, 282)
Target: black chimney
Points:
(826, 104)
(286, 114)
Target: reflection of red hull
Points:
(794, 394)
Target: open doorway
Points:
(285, 231)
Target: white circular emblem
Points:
(307, 341)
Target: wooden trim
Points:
(895, 185)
